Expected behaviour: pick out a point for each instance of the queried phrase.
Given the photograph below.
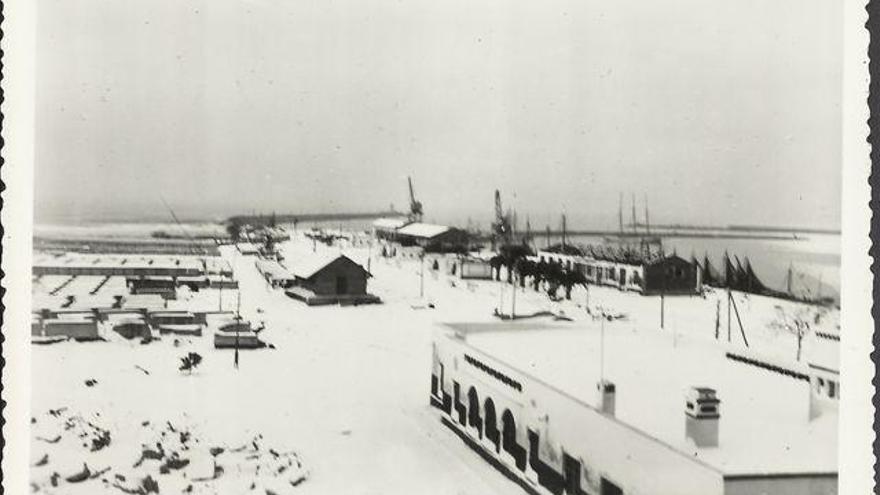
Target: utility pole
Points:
(587, 298)
(663, 305)
(729, 300)
(662, 309)
(501, 295)
(602, 347)
(237, 325)
(717, 317)
(513, 297)
(563, 232)
(634, 212)
(422, 275)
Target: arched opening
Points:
(474, 411)
(508, 440)
(491, 423)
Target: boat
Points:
(46, 340)
(236, 330)
(133, 327)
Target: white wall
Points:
(806, 485)
(605, 447)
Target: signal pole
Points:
(237, 324)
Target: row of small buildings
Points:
(643, 273)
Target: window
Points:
(608, 488)
(831, 389)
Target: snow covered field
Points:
(344, 392)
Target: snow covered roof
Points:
(764, 425)
(390, 223)
(423, 230)
(247, 247)
(308, 264)
(824, 353)
(273, 269)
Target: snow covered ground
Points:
(344, 391)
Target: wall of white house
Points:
(605, 447)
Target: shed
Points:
(274, 273)
(474, 268)
(164, 286)
(670, 275)
(330, 275)
(330, 280)
(81, 329)
(426, 234)
(247, 248)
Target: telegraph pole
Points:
(602, 347)
(237, 324)
(422, 275)
(513, 297)
(663, 305)
(501, 298)
(729, 299)
(717, 317)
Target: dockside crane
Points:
(501, 229)
(415, 206)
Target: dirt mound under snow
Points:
(73, 453)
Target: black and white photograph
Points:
(450, 247)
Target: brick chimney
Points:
(607, 392)
(701, 416)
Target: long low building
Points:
(668, 274)
(541, 404)
(70, 264)
(201, 247)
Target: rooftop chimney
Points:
(701, 416)
(607, 392)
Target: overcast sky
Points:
(720, 112)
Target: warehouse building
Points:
(386, 228)
(328, 280)
(431, 236)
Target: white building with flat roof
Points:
(563, 409)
